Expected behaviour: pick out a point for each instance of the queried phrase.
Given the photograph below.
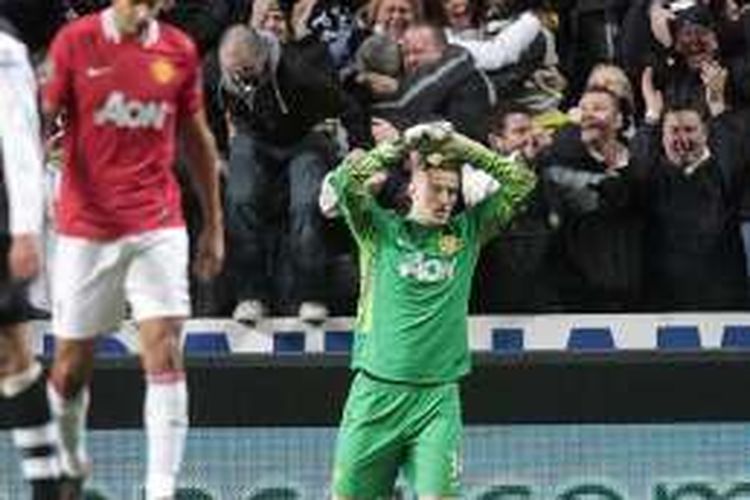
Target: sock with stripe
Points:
(26, 412)
(166, 419)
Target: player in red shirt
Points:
(126, 85)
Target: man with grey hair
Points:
(275, 96)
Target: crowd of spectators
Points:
(633, 113)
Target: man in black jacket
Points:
(692, 179)
(515, 264)
(276, 96)
(440, 83)
(596, 255)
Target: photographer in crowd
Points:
(275, 97)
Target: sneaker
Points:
(249, 312)
(313, 313)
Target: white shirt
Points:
(503, 49)
(20, 135)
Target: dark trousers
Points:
(272, 200)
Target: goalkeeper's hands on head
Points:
(426, 137)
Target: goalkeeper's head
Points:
(434, 188)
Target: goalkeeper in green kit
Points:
(403, 411)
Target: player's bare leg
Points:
(166, 404)
(25, 410)
(69, 401)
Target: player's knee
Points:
(72, 368)
(162, 351)
(69, 377)
(14, 353)
(161, 362)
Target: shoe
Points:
(71, 488)
(314, 313)
(249, 312)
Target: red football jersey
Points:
(121, 99)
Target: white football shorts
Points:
(93, 280)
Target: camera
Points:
(244, 82)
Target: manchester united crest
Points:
(163, 71)
(450, 244)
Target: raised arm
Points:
(516, 182)
(352, 182)
(506, 47)
(645, 147)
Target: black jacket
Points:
(597, 254)
(299, 91)
(693, 251)
(451, 89)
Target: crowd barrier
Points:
(496, 334)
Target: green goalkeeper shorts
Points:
(391, 426)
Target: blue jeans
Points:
(272, 199)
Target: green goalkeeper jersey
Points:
(415, 280)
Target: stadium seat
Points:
(590, 339)
(736, 337)
(678, 337)
(338, 341)
(105, 347)
(206, 344)
(288, 342)
(507, 340)
(110, 347)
